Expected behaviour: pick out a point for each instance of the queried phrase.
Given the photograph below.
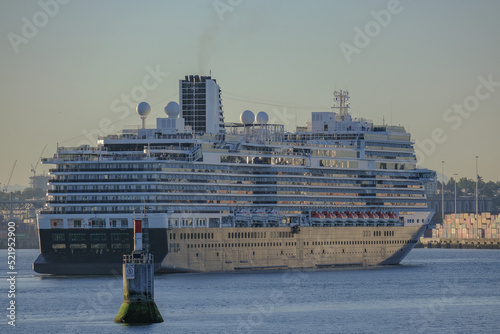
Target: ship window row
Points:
(339, 163)
(193, 236)
(408, 165)
(239, 195)
(106, 167)
(76, 237)
(288, 161)
(388, 154)
(207, 176)
(121, 248)
(394, 166)
(222, 192)
(188, 222)
(210, 169)
(241, 244)
(359, 242)
(364, 187)
(244, 235)
(323, 138)
(91, 223)
(294, 244)
(218, 204)
(229, 159)
(210, 202)
(254, 197)
(278, 156)
(384, 144)
(259, 235)
(334, 153)
(378, 233)
(105, 177)
(234, 184)
(110, 166)
(276, 170)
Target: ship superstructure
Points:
(227, 196)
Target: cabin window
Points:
(58, 237)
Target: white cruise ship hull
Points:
(229, 249)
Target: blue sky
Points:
(69, 80)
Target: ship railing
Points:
(166, 148)
(196, 154)
(133, 135)
(81, 149)
(120, 169)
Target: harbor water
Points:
(432, 291)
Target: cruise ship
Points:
(248, 195)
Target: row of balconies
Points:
(121, 169)
(394, 200)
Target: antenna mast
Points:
(341, 103)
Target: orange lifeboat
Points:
(393, 216)
(362, 215)
(330, 215)
(352, 215)
(383, 215)
(340, 215)
(317, 215)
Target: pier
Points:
(459, 243)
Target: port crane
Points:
(33, 168)
(10, 177)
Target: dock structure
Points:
(138, 305)
(460, 243)
(466, 230)
(468, 226)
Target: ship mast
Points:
(341, 103)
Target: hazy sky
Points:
(71, 70)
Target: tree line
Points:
(467, 187)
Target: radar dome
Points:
(261, 118)
(172, 109)
(247, 117)
(143, 109)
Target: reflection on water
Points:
(433, 291)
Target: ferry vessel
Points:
(218, 196)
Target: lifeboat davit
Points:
(275, 215)
(260, 214)
(244, 214)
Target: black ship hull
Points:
(92, 251)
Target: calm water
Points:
(433, 291)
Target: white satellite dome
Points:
(143, 109)
(247, 117)
(261, 118)
(172, 109)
